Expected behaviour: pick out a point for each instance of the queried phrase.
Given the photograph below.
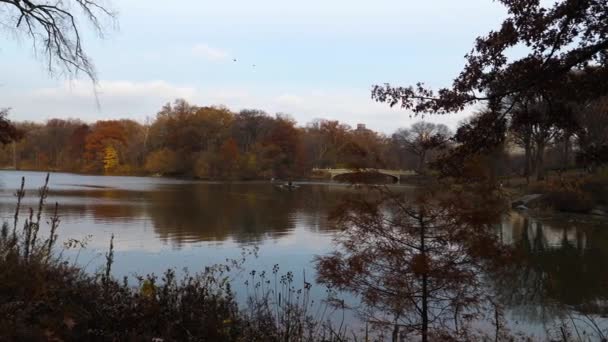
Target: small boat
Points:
(287, 186)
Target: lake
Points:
(161, 223)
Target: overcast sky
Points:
(313, 59)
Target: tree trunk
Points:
(15, 155)
(424, 313)
(527, 159)
(396, 333)
(567, 151)
(421, 162)
(540, 160)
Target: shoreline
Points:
(406, 181)
(301, 181)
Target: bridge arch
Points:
(366, 173)
(395, 174)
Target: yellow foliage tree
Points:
(110, 159)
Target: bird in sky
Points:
(252, 65)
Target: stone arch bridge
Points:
(396, 174)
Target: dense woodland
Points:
(216, 143)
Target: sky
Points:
(313, 59)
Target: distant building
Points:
(361, 128)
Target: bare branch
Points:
(56, 27)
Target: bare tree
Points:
(539, 122)
(422, 138)
(520, 131)
(54, 30)
(592, 135)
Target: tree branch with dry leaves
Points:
(568, 35)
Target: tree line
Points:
(217, 143)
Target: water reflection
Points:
(561, 269)
(243, 212)
(179, 212)
(161, 223)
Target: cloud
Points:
(290, 100)
(126, 89)
(209, 53)
(111, 99)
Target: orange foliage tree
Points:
(103, 134)
(417, 262)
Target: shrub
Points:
(597, 188)
(569, 201)
(567, 195)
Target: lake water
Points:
(162, 223)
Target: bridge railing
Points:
(344, 171)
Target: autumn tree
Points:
(177, 133)
(103, 134)
(354, 156)
(76, 147)
(194, 133)
(229, 157)
(249, 127)
(281, 147)
(324, 140)
(23, 153)
(564, 38)
(133, 151)
(163, 161)
(54, 141)
(199, 141)
(110, 159)
(374, 144)
(213, 127)
(416, 262)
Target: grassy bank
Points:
(573, 191)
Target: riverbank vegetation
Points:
(216, 143)
(577, 193)
(44, 296)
